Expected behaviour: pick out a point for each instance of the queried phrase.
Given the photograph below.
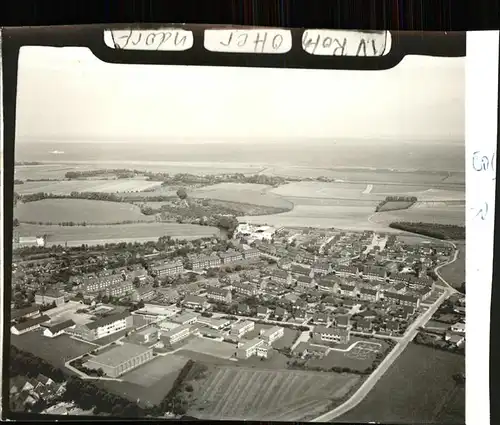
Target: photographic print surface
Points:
(229, 243)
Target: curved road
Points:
(412, 331)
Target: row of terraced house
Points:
(202, 262)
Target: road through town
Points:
(412, 331)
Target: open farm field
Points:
(250, 394)
(99, 235)
(45, 171)
(104, 186)
(255, 194)
(345, 217)
(56, 351)
(57, 211)
(418, 388)
(454, 273)
(452, 214)
(307, 189)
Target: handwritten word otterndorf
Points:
(164, 39)
(248, 41)
(484, 162)
(346, 43)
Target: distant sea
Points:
(425, 156)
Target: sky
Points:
(67, 94)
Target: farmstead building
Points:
(120, 359)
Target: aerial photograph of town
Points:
(224, 243)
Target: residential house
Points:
(281, 277)
(93, 284)
(368, 294)
(29, 325)
(458, 327)
(280, 313)
(230, 256)
(143, 293)
(262, 312)
(408, 311)
(347, 290)
(202, 262)
(392, 326)
(300, 314)
(402, 299)
(320, 318)
(301, 271)
(343, 322)
(399, 288)
(329, 284)
(400, 277)
(305, 257)
(120, 289)
(346, 271)
(171, 268)
(251, 254)
(245, 289)
(244, 309)
(305, 283)
(322, 334)
(364, 325)
(424, 292)
(266, 248)
(49, 297)
(58, 329)
(194, 301)
(321, 268)
(219, 295)
(455, 339)
(374, 272)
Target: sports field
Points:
(156, 370)
(234, 393)
(56, 351)
(78, 211)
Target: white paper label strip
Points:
(346, 43)
(163, 39)
(277, 41)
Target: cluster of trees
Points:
(401, 203)
(119, 172)
(434, 230)
(16, 181)
(424, 338)
(78, 364)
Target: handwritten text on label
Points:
(481, 212)
(162, 39)
(248, 41)
(346, 43)
(484, 162)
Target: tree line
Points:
(434, 230)
(404, 203)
